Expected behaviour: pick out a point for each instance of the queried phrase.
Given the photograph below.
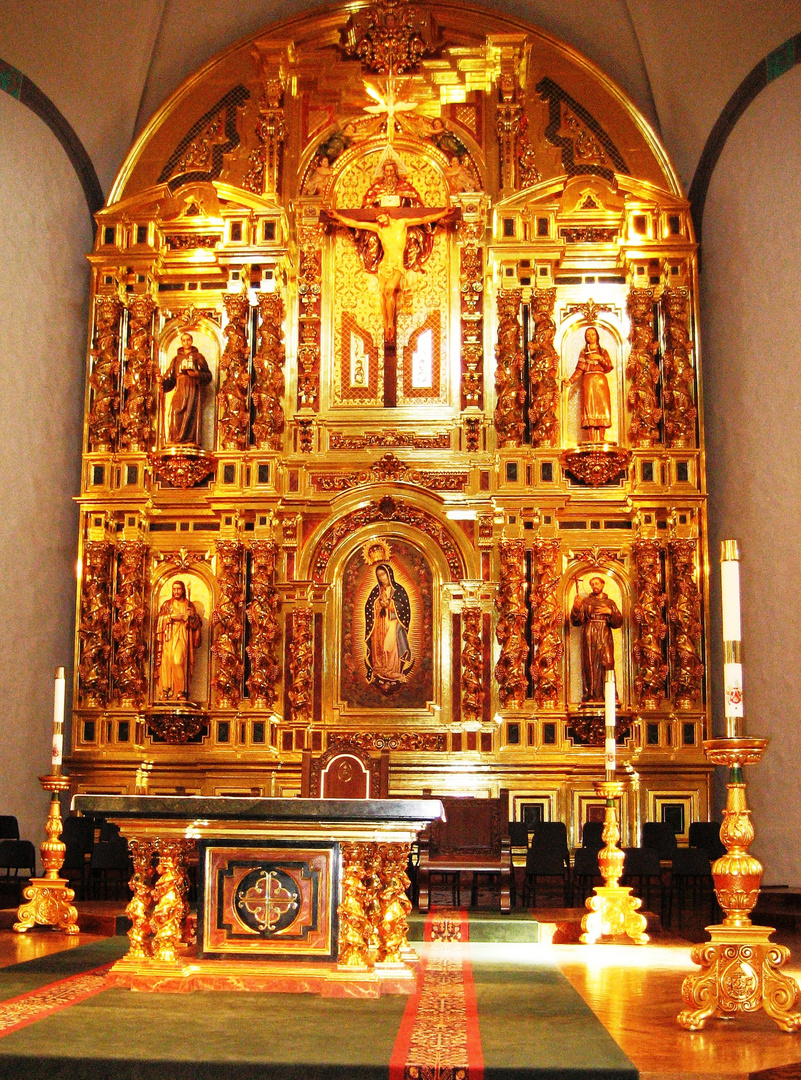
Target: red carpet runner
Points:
(439, 1037)
(26, 1009)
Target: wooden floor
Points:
(635, 991)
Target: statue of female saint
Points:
(177, 638)
(186, 376)
(593, 365)
(599, 615)
(387, 614)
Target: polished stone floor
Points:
(635, 991)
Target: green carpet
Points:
(487, 926)
(532, 1025)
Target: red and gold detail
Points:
(648, 613)
(233, 412)
(509, 421)
(510, 671)
(410, 392)
(471, 291)
(359, 386)
(228, 623)
(642, 370)
(388, 469)
(264, 172)
(137, 431)
(546, 624)
(310, 265)
(340, 440)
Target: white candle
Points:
(732, 665)
(58, 719)
(610, 763)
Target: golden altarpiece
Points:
(393, 429)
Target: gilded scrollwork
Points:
(301, 665)
(684, 615)
(387, 509)
(265, 631)
(339, 440)
(389, 36)
(139, 404)
(509, 421)
(677, 365)
(543, 365)
(94, 627)
(228, 622)
(642, 371)
(232, 398)
(105, 375)
(390, 468)
(546, 624)
(510, 670)
(472, 665)
(392, 740)
(128, 667)
(507, 125)
(648, 613)
(268, 372)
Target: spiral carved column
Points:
(94, 626)
(233, 408)
(649, 681)
(546, 625)
(130, 646)
(265, 631)
(228, 623)
(510, 671)
(543, 370)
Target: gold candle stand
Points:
(49, 898)
(739, 964)
(613, 910)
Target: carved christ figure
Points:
(598, 615)
(177, 638)
(392, 232)
(594, 363)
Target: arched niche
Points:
(168, 628)
(578, 578)
(207, 340)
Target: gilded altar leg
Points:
(140, 909)
(354, 925)
(169, 898)
(372, 897)
(395, 904)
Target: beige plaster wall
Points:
(752, 386)
(44, 230)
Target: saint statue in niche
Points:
(177, 638)
(594, 363)
(599, 615)
(186, 376)
(387, 618)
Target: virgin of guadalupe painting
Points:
(387, 615)
(387, 652)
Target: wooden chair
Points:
(473, 839)
(344, 771)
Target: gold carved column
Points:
(642, 371)
(170, 906)
(310, 276)
(543, 370)
(649, 682)
(233, 407)
(94, 626)
(140, 908)
(546, 624)
(684, 614)
(395, 904)
(105, 375)
(677, 365)
(268, 374)
(471, 290)
(137, 427)
(264, 172)
(472, 666)
(228, 622)
(265, 631)
(354, 922)
(301, 665)
(128, 666)
(509, 421)
(510, 671)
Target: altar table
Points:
(293, 894)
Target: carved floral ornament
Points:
(390, 469)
